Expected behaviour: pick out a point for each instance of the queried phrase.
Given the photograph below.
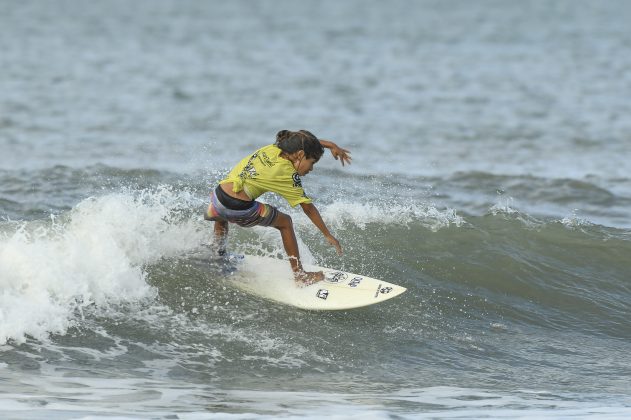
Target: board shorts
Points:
(244, 213)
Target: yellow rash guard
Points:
(265, 171)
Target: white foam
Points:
(504, 205)
(49, 271)
(574, 221)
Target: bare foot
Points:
(306, 278)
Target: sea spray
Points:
(360, 214)
(95, 254)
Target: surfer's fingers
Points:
(338, 247)
(341, 154)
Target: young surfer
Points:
(274, 168)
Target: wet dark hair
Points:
(294, 141)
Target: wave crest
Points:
(95, 254)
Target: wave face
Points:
(499, 298)
(501, 301)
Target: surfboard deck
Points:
(272, 279)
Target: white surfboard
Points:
(272, 279)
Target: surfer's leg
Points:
(221, 236)
(284, 224)
(286, 227)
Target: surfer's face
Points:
(302, 164)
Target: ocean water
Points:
(490, 177)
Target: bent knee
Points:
(283, 221)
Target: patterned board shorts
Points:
(258, 215)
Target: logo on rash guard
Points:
(297, 181)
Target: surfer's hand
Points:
(337, 152)
(335, 243)
(341, 154)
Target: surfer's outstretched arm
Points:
(338, 153)
(312, 212)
